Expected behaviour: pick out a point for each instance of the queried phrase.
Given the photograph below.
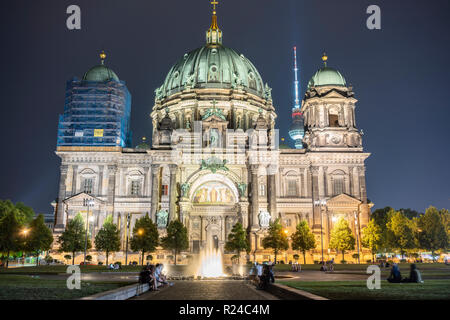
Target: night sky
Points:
(400, 76)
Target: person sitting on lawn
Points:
(414, 275)
(323, 267)
(395, 276)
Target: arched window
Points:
(333, 117)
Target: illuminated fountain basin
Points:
(210, 264)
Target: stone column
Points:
(272, 190)
(351, 190)
(155, 190)
(100, 180)
(254, 196)
(145, 182)
(325, 182)
(362, 183)
(74, 179)
(314, 197)
(112, 171)
(173, 191)
(60, 223)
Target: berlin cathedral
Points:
(214, 158)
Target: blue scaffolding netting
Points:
(95, 114)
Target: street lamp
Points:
(286, 232)
(25, 233)
(320, 204)
(127, 231)
(87, 203)
(357, 235)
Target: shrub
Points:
(89, 258)
(118, 262)
(48, 258)
(343, 261)
(149, 257)
(100, 263)
(368, 261)
(67, 257)
(296, 256)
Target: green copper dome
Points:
(212, 66)
(100, 73)
(327, 76)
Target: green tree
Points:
(73, 238)
(400, 232)
(145, 236)
(108, 238)
(237, 240)
(9, 234)
(372, 237)
(303, 239)
(26, 214)
(276, 238)
(445, 217)
(431, 233)
(176, 239)
(410, 213)
(40, 238)
(342, 238)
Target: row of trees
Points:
(407, 232)
(144, 239)
(22, 232)
(403, 231)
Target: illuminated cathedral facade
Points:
(214, 157)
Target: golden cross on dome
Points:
(214, 3)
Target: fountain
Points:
(210, 265)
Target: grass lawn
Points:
(404, 267)
(357, 290)
(84, 269)
(21, 287)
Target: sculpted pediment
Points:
(78, 199)
(343, 200)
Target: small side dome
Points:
(100, 73)
(327, 76)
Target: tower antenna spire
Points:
(296, 81)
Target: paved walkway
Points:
(208, 290)
(309, 275)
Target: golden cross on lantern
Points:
(214, 3)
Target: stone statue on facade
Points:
(184, 189)
(264, 219)
(161, 218)
(242, 187)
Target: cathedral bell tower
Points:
(329, 110)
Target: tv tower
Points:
(297, 129)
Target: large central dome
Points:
(213, 66)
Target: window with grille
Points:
(292, 188)
(262, 189)
(288, 222)
(165, 190)
(88, 185)
(338, 185)
(135, 187)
